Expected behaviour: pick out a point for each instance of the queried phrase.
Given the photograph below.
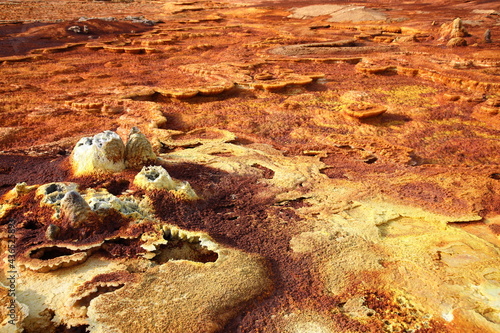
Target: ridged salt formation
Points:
(75, 209)
(138, 151)
(52, 232)
(457, 29)
(103, 152)
(452, 30)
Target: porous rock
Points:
(212, 281)
(157, 178)
(343, 209)
(154, 177)
(458, 29)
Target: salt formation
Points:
(106, 153)
(363, 110)
(339, 13)
(454, 33)
(138, 150)
(52, 232)
(157, 178)
(103, 152)
(13, 312)
(154, 177)
(457, 28)
(84, 287)
(487, 36)
(75, 208)
(456, 41)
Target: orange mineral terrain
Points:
(249, 166)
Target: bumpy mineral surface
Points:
(251, 166)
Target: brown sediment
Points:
(40, 170)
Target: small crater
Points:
(54, 198)
(333, 173)
(152, 175)
(495, 176)
(116, 187)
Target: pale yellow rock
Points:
(288, 173)
(157, 178)
(102, 200)
(184, 190)
(154, 178)
(68, 284)
(53, 291)
(4, 209)
(18, 190)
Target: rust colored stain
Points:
(32, 170)
(495, 228)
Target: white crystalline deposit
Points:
(104, 152)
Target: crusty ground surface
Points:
(348, 171)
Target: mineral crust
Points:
(249, 166)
